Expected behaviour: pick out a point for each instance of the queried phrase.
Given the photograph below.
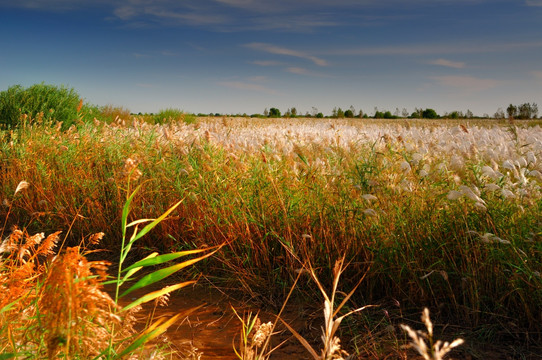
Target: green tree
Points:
(527, 111)
(499, 114)
(511, 111)
(348, 114)
(274, 112)
(55, 104)
(417, 114)
(340, 113)
(429, 114)
(453, 115)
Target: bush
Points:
(170, 114)
(110, 113)
(56, 104)
(274, 112)
(429, 114)
(348, 114)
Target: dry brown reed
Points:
(432, 350)
(54, 305)
(76, 313)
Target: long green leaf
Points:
(126, 247)
(153, 331)
(155, 294)
(10, 305)
(135, 269)
(126, 210)
(150, 226)
(163, 273)
(160, 259)
(137, 222)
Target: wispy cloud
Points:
(305, 72)
(125, 12)
(272, 49)
(266, 63)
(258, 78)
(533, 2)
(448, 63)
(241, 85)
(432, 49)
(298, 70)
(190, 18)
(140, 55)
(466, 83)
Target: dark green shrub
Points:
(429, 114)
(56, 104)
(348, 114)
(170, 114)
(274, 112)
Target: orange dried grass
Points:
(75, 311)
(57, 298)
(20, 264)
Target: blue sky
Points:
(242, 56)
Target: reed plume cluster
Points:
(437, 214)
(53, 304)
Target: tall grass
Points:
(435, 215)
(53, 303)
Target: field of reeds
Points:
(444, 215)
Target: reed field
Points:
(418, 213)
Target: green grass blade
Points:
(153, 331)
(155, 294)
(126, 210)
(163, 273)
(137, 222)
(160, 259)
(10, 305)
(133, 269)
(150, 226)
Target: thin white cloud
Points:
(272, 49)
(432, 49)
(298, 70)
(448, 63)
(266, 63)
(241, 85)
(237, 3)
(533, 2)
(125, 12)
(258, 78)
(466, 83)
(140, 55)
(191, 18)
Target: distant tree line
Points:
(524, 111)
(521, 112)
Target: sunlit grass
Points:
(438, 214)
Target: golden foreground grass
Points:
(444, 215)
